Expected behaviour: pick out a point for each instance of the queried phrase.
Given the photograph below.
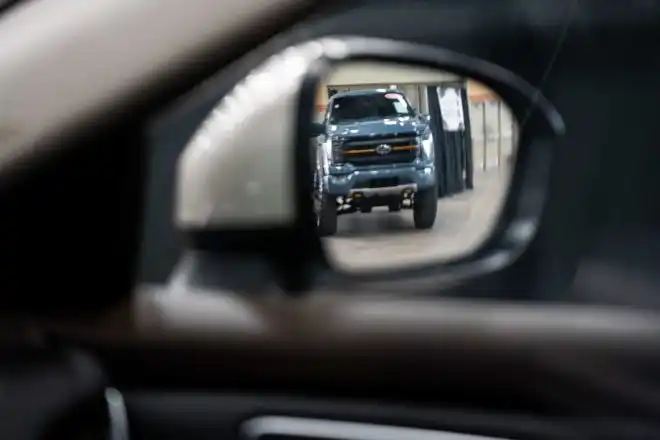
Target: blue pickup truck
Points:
(373, 149)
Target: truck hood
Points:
(376, 126)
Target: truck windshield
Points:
(368, 106)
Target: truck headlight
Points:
(336, 151)
(428, 147)
(326, 155)
(327, 150)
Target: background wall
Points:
(370, 72)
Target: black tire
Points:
(327, 222)
(365, 210)
(425, 208)
(394, 207)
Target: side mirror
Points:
(242, 170)
(317, 129)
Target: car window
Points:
(368, 106)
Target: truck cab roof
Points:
(364, 92)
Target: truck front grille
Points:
(363, 150)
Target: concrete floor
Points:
(389, 240)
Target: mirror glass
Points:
(412, 164)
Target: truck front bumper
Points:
(386, 180)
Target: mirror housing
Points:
(260, 186)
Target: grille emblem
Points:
(383, 149)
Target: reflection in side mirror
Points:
(393, 195)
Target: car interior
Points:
(127, 314)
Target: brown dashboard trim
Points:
(343, 322)
(359, 344)
(328, 325)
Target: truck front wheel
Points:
(394, 205)
(327, 216)
(425, 208)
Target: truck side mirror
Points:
(317, 129)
